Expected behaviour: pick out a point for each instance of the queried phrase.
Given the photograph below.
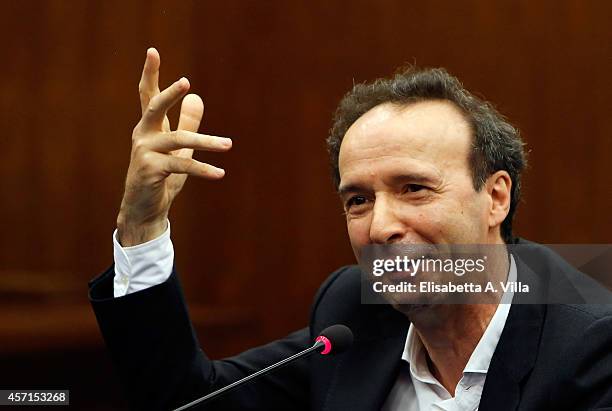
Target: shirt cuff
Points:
(142, 266)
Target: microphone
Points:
(332, 340)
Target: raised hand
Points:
(161, 159)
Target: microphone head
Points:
(336, 339)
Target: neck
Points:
(450, 334)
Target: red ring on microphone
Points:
(328, 344)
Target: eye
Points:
(413, 188)
(355, 201)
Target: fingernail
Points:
(182, 82)
(220, 172)
(227, 142)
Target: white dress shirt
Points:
(416, 389)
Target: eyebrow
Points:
(351, 188)
(417, 178)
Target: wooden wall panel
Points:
(271, 74)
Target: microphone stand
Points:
(317, 345)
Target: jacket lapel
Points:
(516, 350)
(514, 358)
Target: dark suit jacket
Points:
(549, 357)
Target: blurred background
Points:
(270, 74)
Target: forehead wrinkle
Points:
(398, 170)
(432, 131)
(439, 116)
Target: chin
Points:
(411, 308)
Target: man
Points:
(417, 160)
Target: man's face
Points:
(405, 178)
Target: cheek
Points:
(449, 221)
(475, 208)
(359, 233)
(432, 224)
(468, 219)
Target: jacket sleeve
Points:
(153, 345)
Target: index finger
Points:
(149, 80)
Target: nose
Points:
(386, 226)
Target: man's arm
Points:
(141, 311)
(153, 344)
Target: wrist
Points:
(130, 234)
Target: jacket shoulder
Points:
(338, 301)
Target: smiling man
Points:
(417, 160)
(405, 177)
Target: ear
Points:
(499, 185)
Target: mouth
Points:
(406, 274)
